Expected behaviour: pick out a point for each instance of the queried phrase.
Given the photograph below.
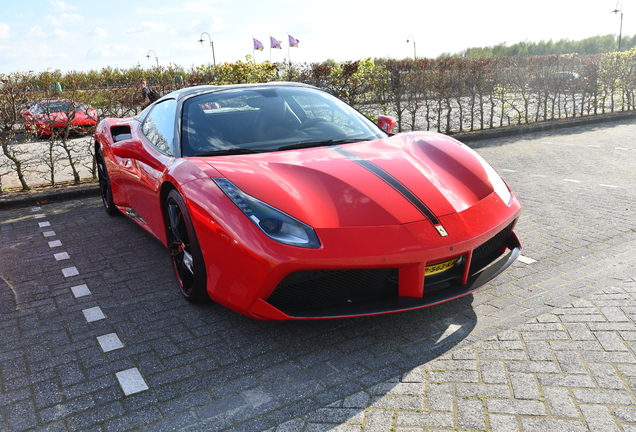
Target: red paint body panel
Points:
(323, 189)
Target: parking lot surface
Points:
(94, 335)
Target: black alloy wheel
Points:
(104, 185)
(187, 259)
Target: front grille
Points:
(314, 289)
(492, 247)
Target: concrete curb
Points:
(545, 126)
(15, 200)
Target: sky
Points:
(40, 35)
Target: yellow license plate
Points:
(440, 267)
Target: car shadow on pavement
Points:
(282, 369)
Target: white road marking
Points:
(573, 181)
(70, 271)
(35, 209)
(526, 260)
(109, 342)
(620, 148)
(131, 381)
(61, 256)
(93, 314)
(80, 290)
(609, 186)
(592, 145)
(509, 170)
(539, 175)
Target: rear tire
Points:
(104, 185)
(187, 259)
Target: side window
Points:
(158, 126)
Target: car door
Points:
(158, 131)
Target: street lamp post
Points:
(211, 46)
(407, 41)
(153, 53)
(620, 33)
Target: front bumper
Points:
(460, 281)
(245, 269)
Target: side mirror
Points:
(134, 149)
(386, 123)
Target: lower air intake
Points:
(327, 288)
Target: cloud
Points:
(112, 51)
(36, 31)
(42, 51)
(62, 19)
(199, 8)
(61, 34)
(34, 55)
(60, 5)
(182, 47)
(97, 32)
(195, 28)
(5, 30)
(59, 55)
(146, 28)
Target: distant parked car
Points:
(49, 116)
(563, 80)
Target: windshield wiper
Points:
(325, 143)
(232, 151)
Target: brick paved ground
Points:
(94, 335)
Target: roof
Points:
(193, 91)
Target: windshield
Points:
(236, 121)
(59, 106)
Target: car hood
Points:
(402, 179)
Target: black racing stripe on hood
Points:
(389, 179)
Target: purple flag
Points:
(275, 43)
(293, 42)
(258, 45)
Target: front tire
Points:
(187, 259)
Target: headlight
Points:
(273, 222)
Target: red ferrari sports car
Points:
(49, 116)
(279, 201)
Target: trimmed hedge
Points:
(448, 95)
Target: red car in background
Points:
(49, 116)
